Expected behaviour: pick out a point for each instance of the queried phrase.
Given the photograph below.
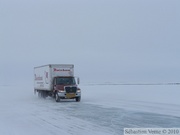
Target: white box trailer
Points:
(56, 80)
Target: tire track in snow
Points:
(113, 120)
(116, 119)
(58, 116)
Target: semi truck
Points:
(57, 81)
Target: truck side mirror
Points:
(78, 80)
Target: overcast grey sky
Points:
(110, 40)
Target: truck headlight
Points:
(78, 90)
(61, 90)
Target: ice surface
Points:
(104, 110)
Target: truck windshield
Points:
(65, 81)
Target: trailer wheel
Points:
(42, 94)
(34, 91)
(57, 98)
(39, 94)
(78, 99)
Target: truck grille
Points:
(70, 89)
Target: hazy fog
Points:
(106, 40)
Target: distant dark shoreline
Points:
(133, 84)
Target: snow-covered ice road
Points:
(104, 110)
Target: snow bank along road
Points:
(104, 110)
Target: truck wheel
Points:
(57, 98)
(78, 99)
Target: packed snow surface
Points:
(103, 110)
